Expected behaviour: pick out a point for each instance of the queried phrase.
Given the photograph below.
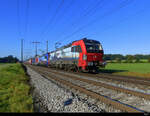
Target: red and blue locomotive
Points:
(81, 55)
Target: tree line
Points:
(126, 58)
(9, 59)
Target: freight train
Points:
(82, 55)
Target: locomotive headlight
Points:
(84, 57)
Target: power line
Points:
(36, 42)
(52, 18)
(122, 5)
(94, 8)
(88, 11)
(122, 20)
(18, 17)
(65, 10)
(27, 15)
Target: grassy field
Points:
(14, 89)
(123, 61)
(128, 69)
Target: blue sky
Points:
(122, 26)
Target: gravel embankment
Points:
(49, 97)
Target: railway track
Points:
(142, 84)
(133, 80)
(135, 93)
(117, 104)
(143, 81)
(128, 77)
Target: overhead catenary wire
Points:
(27, 16)
(121, 5)
(85, 10)
(26, 23)
(63, 14)
(88, 12)
(65, 11)
(123, 20)
(114, 25)
(50, 4)
(52, 18)
(18, 18)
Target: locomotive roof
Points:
(90, 41)
(84, 39)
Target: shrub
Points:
(130, 58)
(118, 60)
(137, 60)
(149, 60)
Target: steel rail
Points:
(124, 90)
(135, 80)
(124, 79)
(105, 99)
(117, 78)
(128, 77)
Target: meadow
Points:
(14, 89)
(128, 69)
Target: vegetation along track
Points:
(102, 98)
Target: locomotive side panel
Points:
(64, 57)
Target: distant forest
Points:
(9, 59)
(126, 58)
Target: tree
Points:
(113, 56)
(149, 60)
(130, 58)
(9, 59)
(127, 58)
(118, 60)
(137, 60)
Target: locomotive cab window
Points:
(94, 48)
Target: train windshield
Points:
(94, 48)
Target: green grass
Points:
(14, 89)
(144, 60)
(2, 65)
(130, 69)
(124, 61)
